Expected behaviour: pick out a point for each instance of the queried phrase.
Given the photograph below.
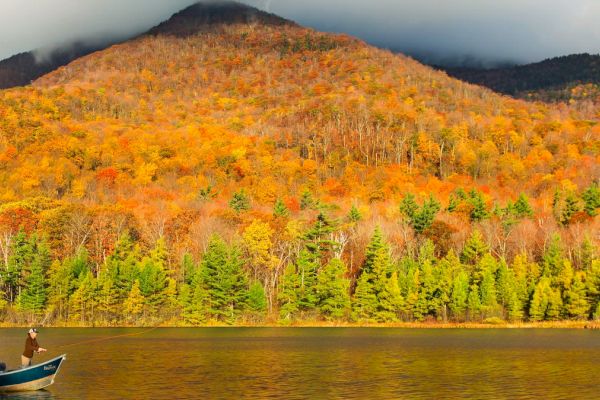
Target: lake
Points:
(316, 363)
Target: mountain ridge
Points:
(548, 80)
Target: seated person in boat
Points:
(31, 345)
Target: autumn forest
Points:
(232, 167)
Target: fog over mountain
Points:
(472, 32)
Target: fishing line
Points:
(105, 339)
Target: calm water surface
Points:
(317, 363)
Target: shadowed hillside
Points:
(557, 79)
(21, 69)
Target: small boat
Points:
(31, 378)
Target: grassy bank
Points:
(324, 324)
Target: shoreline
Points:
(592, 325)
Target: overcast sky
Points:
(438, 30)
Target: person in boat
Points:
(31, 345)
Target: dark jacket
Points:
(31, 345)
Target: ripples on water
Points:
(319, 363)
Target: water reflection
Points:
(37, 395)
(323, 363)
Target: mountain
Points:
(276, 149)
(21, 69)
(574, 77)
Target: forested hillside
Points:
(570, 79)
(232, 166)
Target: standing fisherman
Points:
(31, 345)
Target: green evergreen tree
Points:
(409, 207)
(375, 297)
(287, 297)
(307, 202)
(34, 295)
(515, 307)
(188, 268)
(553, 260)
(473, 303)
(425, 215)
(83, 300)
(240, 202)
(280, 210)
(333, 290)
(224, 280)
(571, 206)
(479, 209)
(587, 253)
(354, 215)
(121, 268)
(318, 240)
(591, 199)
(522, 209)
(475, 247)
(153, 280)
(576, 302)
(540, 300)
(21, 255)
(307, 269)
(555, 305)
(487, 289)
(460, 294)
(133, 306)
(257, 300)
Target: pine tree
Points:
(153, 281)
(61, 284)
(479, 209)
(555, 305)
(257, 300)
(571, 206)
(333, 290)
(122, 268)
(108, 296)
(224, 280)
(280, 210)
(487, 290)
(289, 287)
(318, 238)
(576, 302)
(83, 300)
(540, 300)
(390, 300)
(34, 295)
(188, 268)
(307, 270)
(460, 293)
(409, 207)
(307, 202)
(354, 215)
(553, 260)
(425, 215)
(473, 302)
(240, 202)
(515, 307)
(591, 199)
(20, 256)
(522, 209)
(588, 253)
(133, 306)
(376, 298)
(474, 248)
